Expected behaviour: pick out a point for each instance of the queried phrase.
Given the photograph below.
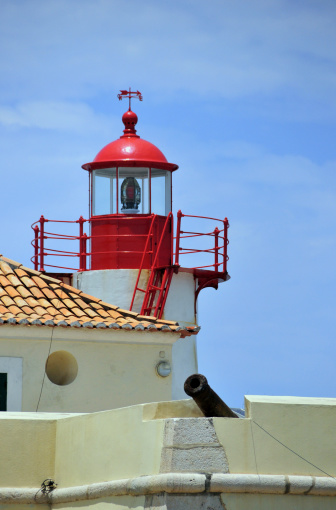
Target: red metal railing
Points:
(217, 252)
(219, 249)
(41, 251)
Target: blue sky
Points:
(242, 96)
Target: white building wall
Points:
(184, 364)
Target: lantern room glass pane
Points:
(104, 200)
(161, 191)
(133, 190)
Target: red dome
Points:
(130, 150)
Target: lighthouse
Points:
(131, 248)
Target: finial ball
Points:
(129, 119)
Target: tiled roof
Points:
(28, 297)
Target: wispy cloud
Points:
(232, 50)
(52, 115)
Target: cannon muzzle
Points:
(197, 387)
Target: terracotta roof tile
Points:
(48, 317)
(102, 312)
(52, 310)
(65, 312)
(21, 315)
(75, 295)
(7, 301)
(23, 291)
(60, 293)
(146, 318)
(29, 298)
(32, 302)
(41, 311)
(48, 279)
(27, 310)
(78, 312)
(10, 261)
(4, 281)
(91, 299)
(170, 323)
(97, 306)
(37, 292)
(13, 279)
(71, 289)
(20, 272)
(81, 303)
(114, 314)
(68, 303)
(28, 282)
(39, 282)
(14, 309)
(5, 268)
(129, 314)
(56, 302)
(50, 294)
(30, 271)
(91, 313)
(106, 305)
(11, 291)
(8, 315)
(20, 302)
(43, 302)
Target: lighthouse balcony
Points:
(120, 241)
(146, 248)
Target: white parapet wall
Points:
(166, 455)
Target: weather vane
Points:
(130, 95)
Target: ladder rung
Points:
(141, 290)
(153, 287)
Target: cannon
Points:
(197, 387)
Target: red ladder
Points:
(159, 278)
(156, 286)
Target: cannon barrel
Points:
(197, 387)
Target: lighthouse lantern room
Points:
(130, 196)
(129, 255)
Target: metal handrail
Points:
(218, 249)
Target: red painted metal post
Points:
(117, 191)
(84, 241)
(150, 190)
(226, 242)
(178, 233)
(36, 247)
(216, 232)
(90, 193)
(172, 240)
(81, 233)
(42, 222)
